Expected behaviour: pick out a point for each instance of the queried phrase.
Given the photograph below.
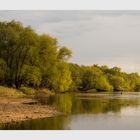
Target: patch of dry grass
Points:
(45, 91)
(10, 92)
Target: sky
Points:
(95, 37)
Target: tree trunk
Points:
(17, 84)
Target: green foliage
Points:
(27, 90)
(33, 60)
(76, 74)
(28, 59)
(16, 43)
(102, 84)
(118, 83)
(2, 70)
(64, 53)
(62, 79)
(94, 78)
(135, 81)
(103, 78)
(32, 76)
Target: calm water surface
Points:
(105, 112)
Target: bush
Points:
(41, 98)
(43, 95)
(27, 90)
(45, 91)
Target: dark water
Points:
(112, 111)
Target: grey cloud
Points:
(110, 37)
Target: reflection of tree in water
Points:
(72, 105)
(64, 103)
(53, 123)
(102, 105)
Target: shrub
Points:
(43, 95)
(27, 90)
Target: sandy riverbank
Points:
(19, 109)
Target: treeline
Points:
(33, 60)
(29, 59)
(103, 78)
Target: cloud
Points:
(110, 37)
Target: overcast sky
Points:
(95, 37)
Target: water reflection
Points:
(55, 123)
(78, 109)
(77, 105)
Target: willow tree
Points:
(52, 62)
(94, 78)
(16, 44)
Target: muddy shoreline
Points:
(21, 109)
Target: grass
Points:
(10, 92)
(45, 91)
(26, 91)
(41, 95)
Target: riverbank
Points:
(16, 106)
(19, 109)
(27, 103)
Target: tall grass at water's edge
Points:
(24, 92)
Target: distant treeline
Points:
(33, 60)
(103, 78)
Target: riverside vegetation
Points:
(28, 59)
(35, 66)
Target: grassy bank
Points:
(23, 92)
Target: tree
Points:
(30, 59)
(16, 43)
(76, 74)
(94, 78)
(47, 59)
(102, 84)
(64, 54)
(55, 75)
(134, 81)
(3, 70)
(118, 83)
(31, 76)
(62, 79)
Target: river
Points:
(88, 112)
